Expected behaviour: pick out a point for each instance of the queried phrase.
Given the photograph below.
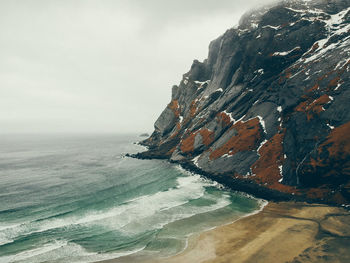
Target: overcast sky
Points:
(103, 65)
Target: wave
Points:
(187, 188)
(63, 251)
(204, 179)
(163, 218)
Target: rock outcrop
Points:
(269, 108)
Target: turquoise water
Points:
(77, 199)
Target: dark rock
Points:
(268, 111)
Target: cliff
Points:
(268, 110)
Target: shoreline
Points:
(240, 185)
(203, 246)
(197, 234)
(145, 256)
(290, 231)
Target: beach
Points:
(281, 232)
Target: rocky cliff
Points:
(268, 110)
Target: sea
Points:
(77, 198)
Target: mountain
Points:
(268, 111)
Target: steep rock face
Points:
(270, 104)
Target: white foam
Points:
(175, 214)
(188, 188)
(26, 255)
(64, 252)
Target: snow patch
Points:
(341, 64)
(334, 27)
(195, 161)
(181, 118)
(261, 145)
(279, 109)
(280, 167)
(337, 87)
(262, 122)
(273, 27)
(201, 83)
(230, 115)
(330, 126)
(254, 25)
(285, 53)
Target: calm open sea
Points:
(77, 199)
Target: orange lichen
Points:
(317, 105)
(207, 136)
(224, 118)
(314, 47)
(315, 87)
(174, 106)
(170, 152)
(284, 188)
(285, 75)
(302, 106)
(338, 142)
(332, 163)
(325, 76)
(193, 108)
(266, 167)
(314, 107)
(334, 82)
(247, 138)
(187, 144)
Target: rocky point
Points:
(268, 111)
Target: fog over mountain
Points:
(100, 66)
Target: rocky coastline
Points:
(267, 112)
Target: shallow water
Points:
(77, 199)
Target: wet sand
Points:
(281, 232)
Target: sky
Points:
(102, 66)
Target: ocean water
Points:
(78, 199)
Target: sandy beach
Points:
(281, 232)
